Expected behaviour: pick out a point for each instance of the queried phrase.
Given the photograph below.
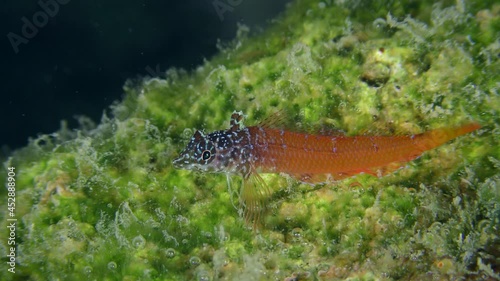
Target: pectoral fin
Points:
(254, 197)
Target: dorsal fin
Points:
(390, 129)
(325, 130)
(279, 120)
(276, 120)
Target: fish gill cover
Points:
(105, 203)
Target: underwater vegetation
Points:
(105, 203)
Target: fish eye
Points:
(206, 155)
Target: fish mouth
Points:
(183, 164)
(178, 162)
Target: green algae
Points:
(104, 203)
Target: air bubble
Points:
(297, 232)
(207, 234)
(87, 270)
(112, 265)
(170, 253)
(379, 23)
(194, 261)
(203, 276)
(138, 241)
(187, 133)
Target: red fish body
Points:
(255, 149)
(306, 157)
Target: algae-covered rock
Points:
(105, 203)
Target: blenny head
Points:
(217, 152)
(199, 153)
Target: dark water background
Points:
(75, 57)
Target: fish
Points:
(309, 158)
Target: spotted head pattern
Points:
(225, 151)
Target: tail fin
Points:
(437, 137)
